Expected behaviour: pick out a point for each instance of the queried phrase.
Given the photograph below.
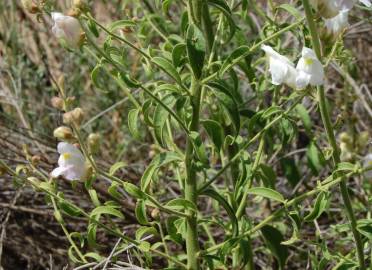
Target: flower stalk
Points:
(332, 140)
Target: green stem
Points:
(88, 217)
(191, 194)
(243, 201)
(59, 219)
(332, 140)
(326, 184)
(247, 144)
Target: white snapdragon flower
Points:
(367, 162)
(309, 70)
(337, 24)
(331, 8)
(281, 68)
(71, 163)
(367, 3)
(67, 29)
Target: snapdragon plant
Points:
(224, 91)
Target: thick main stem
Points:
(191, 194)
(332, 140)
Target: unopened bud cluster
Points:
(350, 146)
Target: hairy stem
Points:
(332, 140)
(191, 193)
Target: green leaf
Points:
(266, 193)
(71, 254)
(144, 230)
(161, 116)
(172, 230)
(199, 147)
(129, 81)
(180, 204)
(158, 161)
(69, 209)
(215, 132)
(222, 201)
(296, 224)
(236, 56)
(94, 255)
(105, 209)
(345, 167)
(290, 170)
(227, 100)
(195, 46)
(116, 166)
(177, 54)
(144, 246)
(121, 24)
(321, 204)
(292, 10)
(225, 9)
(113, 190)
(315, 158)
(134, 191)
(271, 111)
(273, 239)
(268, 176)
(95, 75)
(168, 68)
(140, 212)
(305, 118)
(91, 235)
(364, 226)
(93, 28)
(94, 197)
(133, 123)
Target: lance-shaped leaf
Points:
(266, 193)
(168, 68)
(214, 131)
(227, 100)
(161, 116)
(159, 160)
(195, 46)
(225, 9)
(133, 123)
(320, 206)
(222, 201)
(273, 239)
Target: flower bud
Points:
(30, 6)
(345, 138)
(363, 139)
(79, 4)
(155, 213)
(75, 116)
(63, 133)
(346, 152)
(35, 160)
(67, 29)
(94, 141)
(57, 103)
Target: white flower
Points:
(71, 162)
(309, 70)
(337, 24)
(281, 68)
(67, 29)
(331, 8)
(367, 3)
(367, 162)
